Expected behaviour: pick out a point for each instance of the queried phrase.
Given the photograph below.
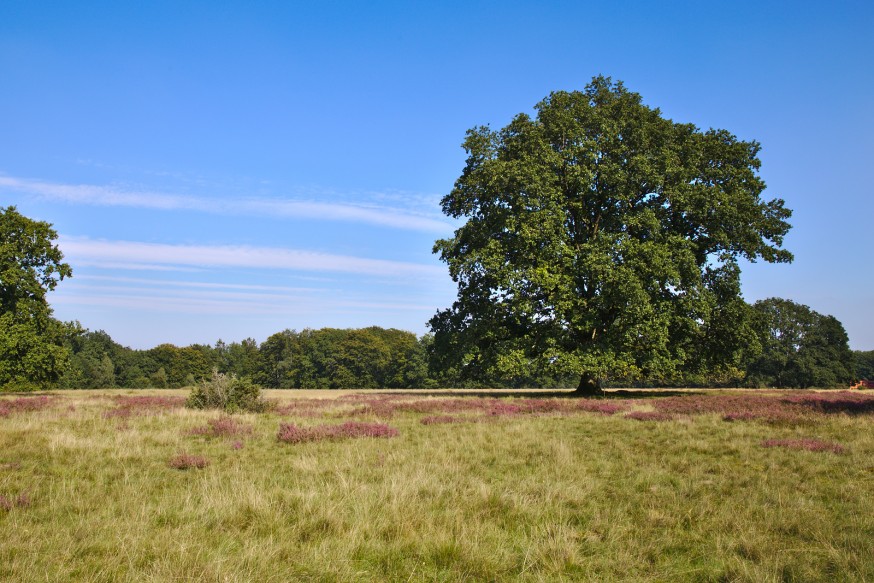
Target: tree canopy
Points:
(602, 240)
(32, 354)
(801, 348)
(864, 364)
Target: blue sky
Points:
(226, 170)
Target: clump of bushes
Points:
(227, 392)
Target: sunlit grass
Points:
(528, 490)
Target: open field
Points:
(640, 486)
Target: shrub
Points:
(227, 392)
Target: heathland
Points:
(415, 486)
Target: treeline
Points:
(327, 358)
(790, 346)
(309, 359)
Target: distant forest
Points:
(377, 358)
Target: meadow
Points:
(439, 486)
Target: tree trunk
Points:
(589, 386)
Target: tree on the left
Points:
(32, 353)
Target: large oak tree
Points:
(602, 240)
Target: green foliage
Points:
(180, 364)
(328, 358)
(341, 359)
(93, 357)
(32, 354)
(800, 347)
(227, 392)
(864, 364)
(602, 241)
(238, 357)
(30, 265)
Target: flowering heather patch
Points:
(602, 407)
(306, 407)
(732, 407)
(501, 409)
(24, 405)
(7, 503)
(440, 419)
(184, 461)
(225, 426)
(291, 433)
(781, 407)
(387, 405)
(237, 445)
(128, 406)
(832, 403)
(649, 416)
(807, 443)
(741, 416)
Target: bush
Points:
(227, 392)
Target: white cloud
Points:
(385, 216)
(138, 255)
(197, 284)
(222, 305)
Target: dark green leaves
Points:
(600, 240)
(31, 351)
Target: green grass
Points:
(567, 497)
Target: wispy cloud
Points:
(139, 255)
(220, 304)
(227, 299)
(380, 215)
(164, 283)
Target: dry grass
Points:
(538, 489)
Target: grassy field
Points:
(725, 486)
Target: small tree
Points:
(227, 392)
